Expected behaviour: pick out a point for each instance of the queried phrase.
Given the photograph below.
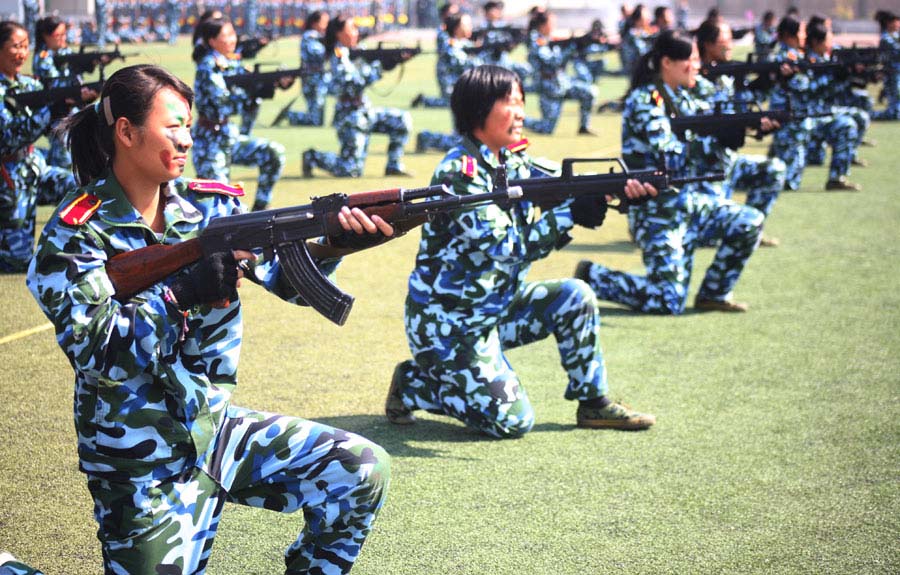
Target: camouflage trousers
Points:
(16, 567)
(892, 94)
(552, 102)
(57, 155)
(428, 140)
(33, 182)
(818, 139)
(314, 93)
(280, 463)
(761, 177)
(445, 89)
(215, 151)
(465, 374)
(354, 130)
(791, 141)
(588, 70)
(668, 230)
(249, 116)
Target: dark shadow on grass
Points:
(397, 439)
(621, 246)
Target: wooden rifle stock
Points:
(133, 272)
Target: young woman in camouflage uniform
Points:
(354, 119)
(24, 175)
(161, 445)
(553, 84)
(469, 300)
(890, 44)
(313, 74)
(670, 228)
(218, 143)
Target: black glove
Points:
(354, 241)
(212, 279)
(589, 211)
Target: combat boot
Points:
(306, 163)
(585, 131)
(420, 144)
(283, 113)
(397, 172)
(417, 101)
(842, 184)
(613, 416)
(859, 163)
(720, 305)
(583, 270)
(394, 408)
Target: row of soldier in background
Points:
(163, 20)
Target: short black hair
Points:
(788, 28)
(476, 92)
(492, 5)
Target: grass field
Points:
(776, 449)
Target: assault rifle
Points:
(389, 57)
(260, 84)
(284, 231)
(768, 71)
(82, 62)
(579, 42)
(729, 129)
(496, 48)
(514, 34)
(53, 97)
(250, 46)
(548, 192)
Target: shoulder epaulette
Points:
(518, 146)
(43, 54)
(468, 166)
(339, 52)
(80, 210)
(657, 98)
(214, 187)
(541, 41)
(221, 63)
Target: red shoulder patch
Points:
(519, 146)
(80, 210)
(541, 41)
(339, 52)
(468, 166)
(214, 187)
(657, 98)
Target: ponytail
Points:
(669, 44)
(205, 31)
(129, 93)
(335, 25)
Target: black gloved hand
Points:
(354, 241)
(589, 211)
(212, 279)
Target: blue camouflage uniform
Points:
(217, 143)
(173, 19)
(44, 69)
(161, 445)
(315, 78)
(469, 302)
(555, 86)
(31, 10)
(836, 100)
(764, 38)
(101, 16)
(588, 69)
(355, 120)
(495, 34)
(25, 178)
(890, 45)
(807, 93)
(456, 61)
(761, 177)
(670, 227)
(452, 62)
(634, 44)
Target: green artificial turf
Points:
(776, 449)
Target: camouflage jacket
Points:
(20, 126)
(45, 69)
(890, 43)
(313, 58)
(549, 65)
(472, 264)
(455, 60)
(647, 138)
(213, 99)
(151, 382)
(349, 81)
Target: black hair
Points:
(7, 27)
(492, 5)
(475, 93)
(669, 44)
(707, 33)
(128, 93)
(538, 19)
(659, 12)
(768, 16)
(313, 18)
(884, 18)
(635, 14)
(816, 31)
(44, 27)
(452, 22)
(207, 15)
(335, 25)
(792, 11)
(206, 30)
(788, 28)
(713, 14)
(445, 9)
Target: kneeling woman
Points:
(218, 141)
(161, 446)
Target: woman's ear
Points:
(125, 132)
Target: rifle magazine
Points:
(306, 278)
